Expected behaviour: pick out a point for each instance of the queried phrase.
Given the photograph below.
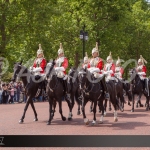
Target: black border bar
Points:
(75, 141)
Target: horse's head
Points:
(17, 69)
(134, 77)
(82, 76)
(49, 68)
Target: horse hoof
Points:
(110, 109)
(35, 119)
(132, 110)
(78, 113)
(122, 110)
(136, 106)
(105, 113)
(21, 121)
(69, 119)
(147, 109)
(64, 118)
(93, 123)
(86, 121)
(91, 111)
(48, 123)
(115, 119)
(100, 122)
(141, 105)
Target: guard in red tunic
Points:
(60, 68)
(141, 69)
(39, 63)
(95, 66)
(85, 61)
(109, 68)
(119, 70)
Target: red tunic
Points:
(142, 69)
(63, 62)
(41, 62)
(99, 63)
(111, 68)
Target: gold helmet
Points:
(60, 51)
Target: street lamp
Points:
(83, 37)
(1, 61)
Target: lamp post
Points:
(1, 61)
(83, 37)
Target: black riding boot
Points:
(66, 89)
(145, 86)
(105, 88)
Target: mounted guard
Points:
(95, 66)
(118, 69)
(39, 64)
(141, 69)
(109, 68)
(60, 68)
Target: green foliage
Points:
(119, 26)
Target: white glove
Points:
(60, 69)
(37, 69)
(95, 70)
(110, 71)
(141, 73)
(49, 64)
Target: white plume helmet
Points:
(142, 60)
(118, 61)
(86, 58)
(60, 51)
(109, 57)
(95, 49)
(40, 51)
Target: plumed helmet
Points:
(95, 49)
(142, 60)
(60, 51)
(40, 51)
(86, 58)
(109, 57)
(118, 61)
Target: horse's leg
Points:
(54, 106)
(105, 106)
(147, 103)
(133, 96)
(115, 112)
(70, 110)
(50, 100)
(139, 100)
(91, 107)
(102, 109)
(60, 109)
(99, 106)
(86, 121)
(94, 111)
(25, 109)
(78, 103)
(110, 106)
(32, 105)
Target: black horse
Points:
(111, 86)
(75, 92)
(91, 90)
(138, 88)
(55, 92)
(31, 84)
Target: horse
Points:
(55, 92)
(92, 91)
(31, 84)
(75, 90)
(137, 88)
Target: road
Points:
(129, 123)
